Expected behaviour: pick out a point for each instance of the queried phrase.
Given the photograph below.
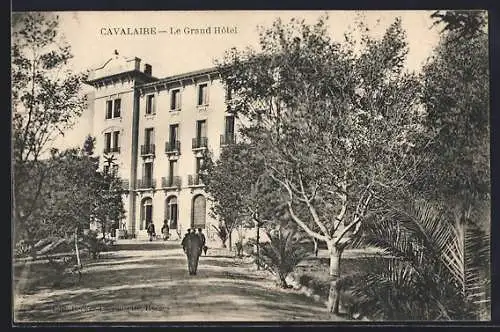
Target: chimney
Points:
(148, 69)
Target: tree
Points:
(75, 193)
(108, 207)
(464, 23)
(456, 99)
(45, 101)
(430, 269)
(284, 251)
(229, 180)
(335, 128)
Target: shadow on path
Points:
(150, 283)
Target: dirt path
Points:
(144, 281)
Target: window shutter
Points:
(179, 102)
(206, 101)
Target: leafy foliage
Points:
(222, 234)
(230, 181)
(432, 268)
(75, 193)
(334, 127)
(465, 23)
(456, 97)
(45, 102)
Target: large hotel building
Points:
(157, 129)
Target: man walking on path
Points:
(151, 231)
(184, 240)
(203, 241)
(191, 245)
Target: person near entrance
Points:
(191, 243)
(151, 231)
(165, 230)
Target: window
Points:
(116, 137)
(150, 104)
(172, 212)
(107, 142)
(172, 170)
(174, 133)
(113, 108)
(229, 125)
(109, 109)
(203, 94)
(117, 108)
(148, 172)
(175, 100)
(199, 164)
(201, 128)
(148, 136)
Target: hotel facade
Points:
(157, 130)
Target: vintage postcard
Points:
(244, 166)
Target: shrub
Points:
(282, 253)
(222, 233)
(22, 249)
(95, 244)
(249, 247)
(305, 279)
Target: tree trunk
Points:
(258, 247)
(77, 252)
(230, 240)
(282, 281)
(315, 241)
(333, 294)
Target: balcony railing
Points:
(147, 149)
(200, 142)
(146, 183)
(194, 180)
(172, 147)
(171, 182)
(112, 149)
(227, 139)
(125, 185)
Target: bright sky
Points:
(173, 54)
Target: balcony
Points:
(146, 184)
(172, 147)
(200, 143)
(171, 182)
(114, 149)
(227, 139)
(148, 150)
(194, 180)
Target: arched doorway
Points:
(171, 211)
(146, 212)
(199, 212)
